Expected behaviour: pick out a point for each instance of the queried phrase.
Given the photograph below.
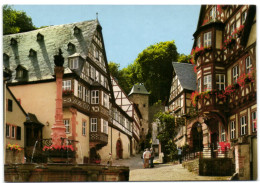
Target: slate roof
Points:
(139, 89)
(186, 75)
(41, 66)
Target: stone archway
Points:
(196, 138)
(119, 149)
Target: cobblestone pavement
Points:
(161, 172)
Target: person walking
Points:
(110, 159)
(179, 155)
(152, 157)
(147, 156)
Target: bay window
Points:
(93, 125)
(207, 83)
(94, 97)
(220, 81)
(207, 39)
(66, 85)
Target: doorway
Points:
(119, 149)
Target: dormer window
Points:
(13, 42)
(5, 56)
(71, 47)
(21, 72)
(40, 37)
(74, 63)
(76, 30)
(32, 53)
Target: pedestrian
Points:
(110, 159)
(179, 155)
(152, 157)
(147, 156)
(143, 158)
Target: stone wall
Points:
(216, 167)
(64, 173)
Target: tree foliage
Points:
(184, 58)
(16, 21)
(154, 69)
(166, 134)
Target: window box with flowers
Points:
(229, 42)
(59, 153)
(14, 153)
(67, 92)
(246, 78)
(238, 31)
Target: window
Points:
(84, 128)
(80, 91)
(18, 133)
(7, 130)
(10, 105)
(198, 42)
(115, 115)
(93, 125)
(94, 97)
(235, 72)
(97, 76)
(92, 72)
(66, 85)
(74, 63)
(67, 125)
(207, 83)
(100, 57)
(101, 79)
(220, 81)
(199, 85)
(212, 13)
(105, 100)
(207, 39)
(254, 121)
(232, 130)
(86, 95)
(12, 131)
(248, 64)
(232, 29)
(19, 73)
(223, 134)
(105, 126)
(243, 17)
(243, 125)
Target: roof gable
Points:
(186, 75)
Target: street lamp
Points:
(199, 129)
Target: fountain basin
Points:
(53, 172)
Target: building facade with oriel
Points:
(87, 93)
(224, 54)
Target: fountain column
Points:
(58, 128)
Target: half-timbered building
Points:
(87, 97)
(224, 52)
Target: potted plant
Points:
(59, 153)
(12, 153)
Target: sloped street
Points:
(161, 172)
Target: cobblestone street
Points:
(161, 172)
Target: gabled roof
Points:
(32, 119)
(41, 66)
(138, 89)
(186, 75)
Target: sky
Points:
(127, 29)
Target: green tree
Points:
(166, 135)
(184, 58)
(16, 21)
(154, 69)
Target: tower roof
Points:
(138, 89)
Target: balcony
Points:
(97, 138)
(69, 100)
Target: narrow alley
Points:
(161, 172)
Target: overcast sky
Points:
(127, 29)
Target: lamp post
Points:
(199, 129)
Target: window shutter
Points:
(102, 125)
(18, 133)
(75, 87)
